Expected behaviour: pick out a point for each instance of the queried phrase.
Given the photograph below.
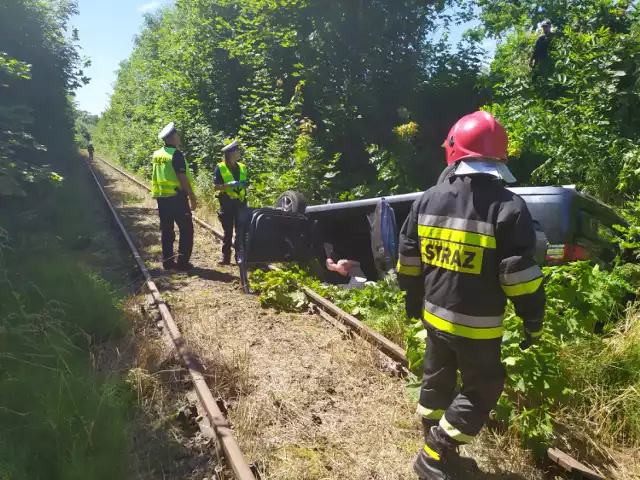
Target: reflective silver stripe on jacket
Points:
(410, 261)
(522, 276)
(461, 319)
(474, 226)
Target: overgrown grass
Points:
(60, 417)
(607, 372)
(582, 383)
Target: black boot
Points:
(431, 462)
(183, 266)
(225, 260)
(427, 424)
(440, 460)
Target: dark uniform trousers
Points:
(230, 209)
(483, 376)
(175, 210)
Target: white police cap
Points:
(166, 131)
(231, 147)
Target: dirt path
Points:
(305, 402)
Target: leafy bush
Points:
(280, 289)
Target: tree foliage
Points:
(303, 83)
(39, 67)
(575, 121)
(85, 124)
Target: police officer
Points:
(172, 187)
(467, 245)
(540, 54)
(230, 179)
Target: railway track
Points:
(221, 426)
(219, 423)
(327, 310)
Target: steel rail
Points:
(386, 346)
(221, 426)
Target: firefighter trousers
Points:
(460, 413)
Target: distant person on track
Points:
(90, 149)
(230, 179)
(467, 245)
(172, 187)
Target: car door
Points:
(270, 235)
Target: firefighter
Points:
(467, 245)
(90, 149)
(172, 187)
(230, 179)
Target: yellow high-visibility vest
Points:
(240, 192)
(164, 181)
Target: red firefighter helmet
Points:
(478, 134)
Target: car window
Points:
(591, 228)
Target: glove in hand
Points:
(530, 338)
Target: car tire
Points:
(292, 201)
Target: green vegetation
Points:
(56, 405)
(85, 124)
(62, 414)
(587, 362)
(577, 122)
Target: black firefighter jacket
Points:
(467, 245)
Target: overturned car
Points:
(570, 225)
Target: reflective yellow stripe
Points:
(453, 432)
(457, 236)
(462, 330)
(163, 190)
(429, 413)
(433, 454)
(536, 334)
(522, 288)
(166, 182)
(411, 271)
(473, 321)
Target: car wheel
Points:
(292, 201)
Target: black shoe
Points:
(183, 267)
(224, 261)
(169, 265)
